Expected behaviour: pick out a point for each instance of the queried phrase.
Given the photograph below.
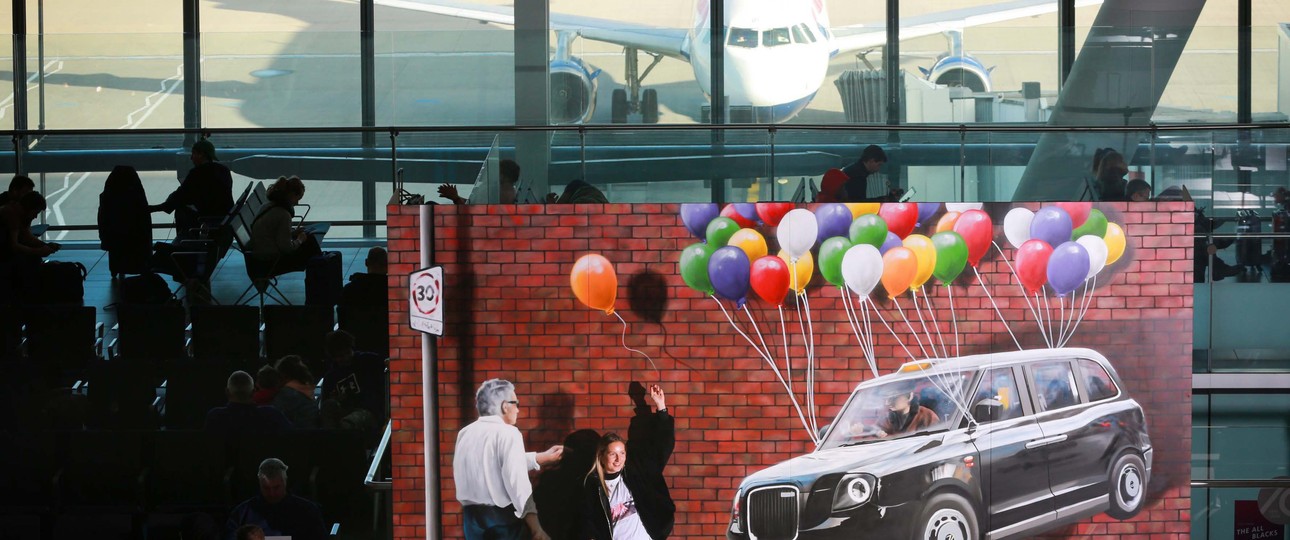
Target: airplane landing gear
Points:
(630, 99)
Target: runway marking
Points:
(8, 102)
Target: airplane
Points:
(777, 52)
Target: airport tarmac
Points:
(118, 65)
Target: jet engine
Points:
(573, 91)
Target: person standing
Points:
(490, 469)
(626, 494)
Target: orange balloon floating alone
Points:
(594, 282)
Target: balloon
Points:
(720, 230)
(951, 256)
(1067, 267)
(1115, 241)
(868, 229)
(961, 207)
(694, 266)
(834, 219)
(696, 217)
(898, 267)
(751, 241)
(926, 210)
(799, 271)
(863, 208)
(1097, 252)
(862, 268)
(831, 253)
(797, 232)
(977, 231)
(947, 222)
(1078, 211)
(594, 282)
(770, 213)
(1016, 226)
(891, 242)
(900, 217)
(769, 279)
(1052, 225)
(744, 214)
(1032, 264)
(925, 255)
(729, 271)
(1095, 225)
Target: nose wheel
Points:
(631, 99)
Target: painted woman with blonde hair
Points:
(626, 494)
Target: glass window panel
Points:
(1270, 62)
(743, 37)
(1202, 87)
(114, 65)
(775, 37)
(1099, 383)
(998, 391)
(1054, 386)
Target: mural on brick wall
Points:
(769, 371)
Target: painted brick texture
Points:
(511, 314)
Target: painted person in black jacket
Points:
(626, 493)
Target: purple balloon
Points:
(1051, 224)
(834, 220)
(1067, 267)
(729, 270)
(891, 242)
(696, 217)
(926, 210)
(748, 211)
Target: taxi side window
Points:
(996, 398)
(1099, 383)
(1055, 385)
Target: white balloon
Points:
(1097, 253)
(963, 206)
(1016, 226)
(797, 232)
(862, 268)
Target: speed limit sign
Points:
(425, 300)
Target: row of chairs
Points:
(142, 476)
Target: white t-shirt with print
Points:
(625, 521)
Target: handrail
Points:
(583, 128)
(370, 479)
(1242, 483)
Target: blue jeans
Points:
(486, 522)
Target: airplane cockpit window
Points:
(798, 36)
(775, 37)
(806, 30)
(743, 37)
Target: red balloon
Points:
(1077, 210)
(1032, 264)
(769, 279)
(730, 212)
(977, 231)
(900, 217)
(771, 212)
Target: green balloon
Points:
(951, 256)
(831, 253)
(1094, 225)
(720, 230)
(869, 229)
(694, 266)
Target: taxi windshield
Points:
(899, 408)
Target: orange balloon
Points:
(594, 282)
(924, 256)
(861, 208)
(799, 273)
(899, 264)
(751, 242)
(947, 222)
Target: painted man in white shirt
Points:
(490, 469)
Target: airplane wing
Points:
(665, 41)
(867, 36)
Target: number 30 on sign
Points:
(425, 300)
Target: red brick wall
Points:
(511, 314)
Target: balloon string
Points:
(913, 332)
(945, 352)
(1088, 302)
(913, 294)
(657, 375)
(1048, 311)
(950, 289)
(806, 348)
(788, 362)
(862, 322)
(867, 304)
(752, 321)
(774, 369)
(853, 319)
(1065, 320)
(893, 332)
(996, 308)
(810, 366)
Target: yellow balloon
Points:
(925, 256)
(751, 242)
(1114, 242)
(799, 273)
(861, 208)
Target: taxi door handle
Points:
(1045, 441)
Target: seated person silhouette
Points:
(1058, 395)
(904, 413)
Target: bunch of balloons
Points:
(1062, 246)
(859, 246)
